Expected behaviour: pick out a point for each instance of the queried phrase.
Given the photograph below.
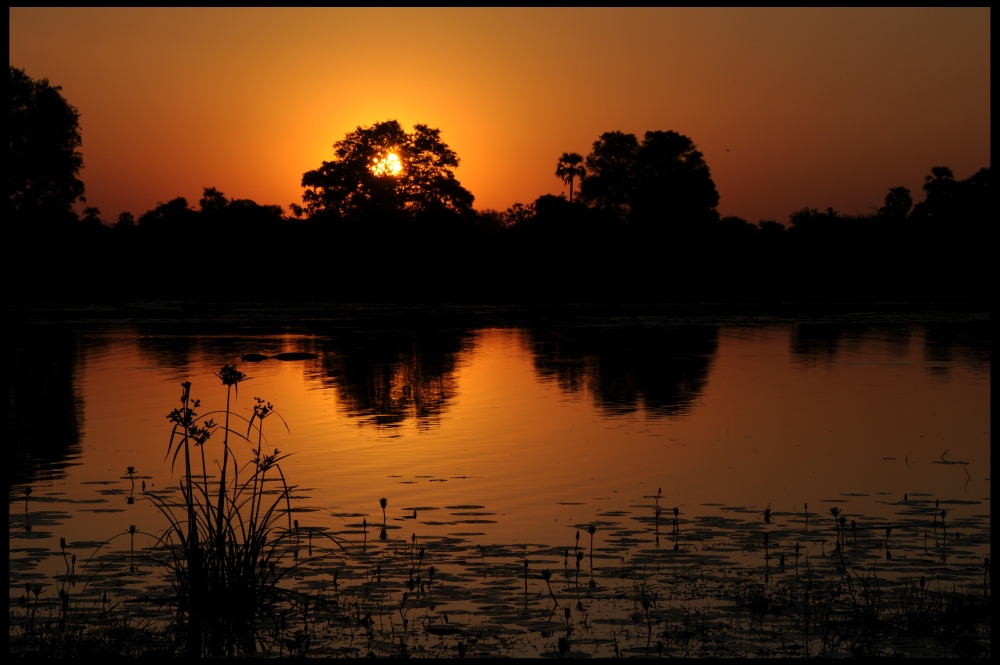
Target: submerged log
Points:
(295, 355)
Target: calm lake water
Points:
(544, 426)
(514, 433)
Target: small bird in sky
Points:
(727, 150)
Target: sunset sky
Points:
(817, 107)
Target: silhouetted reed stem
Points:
(193, 551)
(220, 543)
(256, 473)
(547, 575)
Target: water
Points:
(522, 434)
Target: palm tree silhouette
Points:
(570, 166)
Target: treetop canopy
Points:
(44, 136)
(385, 170)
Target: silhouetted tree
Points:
(898, 203)
(92, 216)
(737, 229)
(382, 169)
(246, 212)
(212, 201)
(43, 160)
(570, 167)
(125, 222)
(240, 220)
(555, 212)
(809, 221)
(673, 184)
(611, 166)
(518, 213)
(941, 191)
(963, 202)
(491, 222)
(771, 229)
(979, 188)
(662, 182)
(172, 215)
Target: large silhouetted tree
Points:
(43, 160)
(383, 170)
(662, 182)
(569, 168)
(942, 192)
(611, 167)
(961, 210)
(673, 184)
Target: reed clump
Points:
(226, 540)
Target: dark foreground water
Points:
(499, 442)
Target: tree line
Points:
(386, 219)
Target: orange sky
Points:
(819, 107)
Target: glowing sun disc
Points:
(390, 165)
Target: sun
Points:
(390, 165)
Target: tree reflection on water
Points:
(662, 369)
(386, 370)
(44, 406)
(384, 377)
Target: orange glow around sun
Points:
(834, 105)
(389, 165)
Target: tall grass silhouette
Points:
(224, 543)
